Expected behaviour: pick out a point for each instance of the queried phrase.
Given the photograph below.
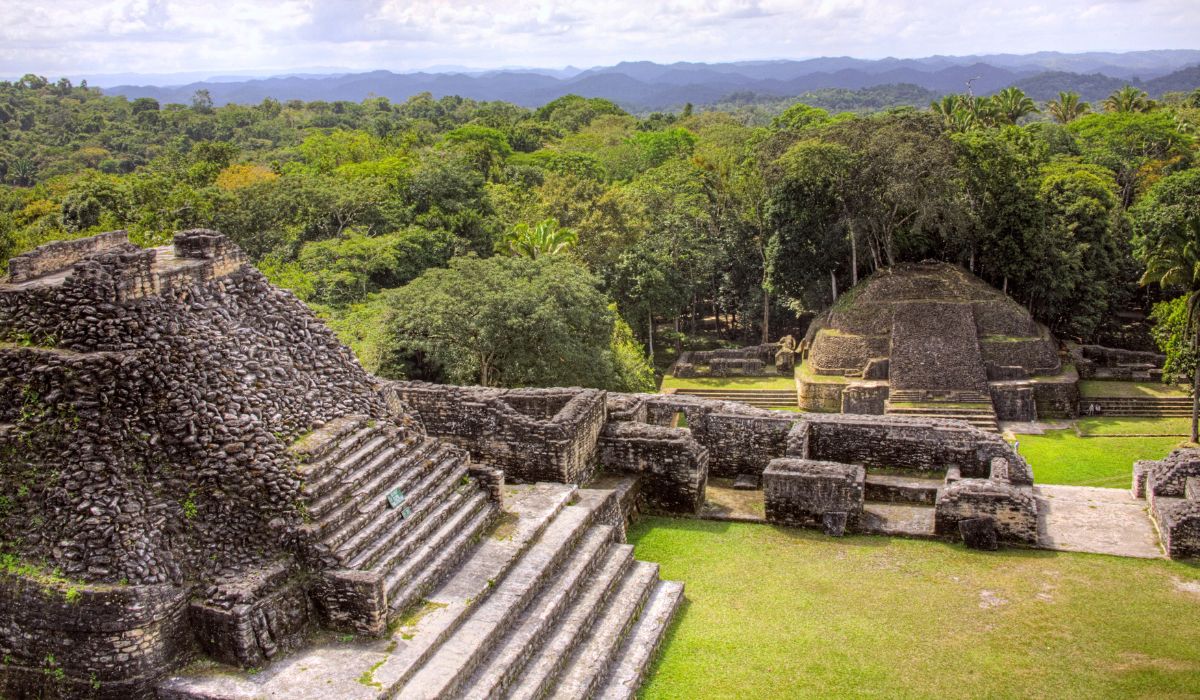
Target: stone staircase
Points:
(1151, 407)
(760, 398)
(386, 499)
(970, 406)
(549, 604)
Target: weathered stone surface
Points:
(1012, 508)
(802, 491)
(746, 482)
(673, 467)
(979, 533)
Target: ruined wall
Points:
(1012, 508)
(821, 397)
(1014, 402)
(672, 465)
(59, 255)
(62, 640)
(906, 443)
(803, 491)
(531, 434)
(868, 400)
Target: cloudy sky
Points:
(89, 37)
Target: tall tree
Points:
(1167, 223)
(545, 238)
(1067, 108)
(1011, 104)
(1128, 99)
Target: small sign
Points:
(395, 498)
(404, 514)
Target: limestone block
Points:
(802, 491)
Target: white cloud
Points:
(80, 37)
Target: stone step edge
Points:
(643, 642)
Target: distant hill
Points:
(643, 85)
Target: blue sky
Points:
(82, 37)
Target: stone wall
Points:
(905, 443)
(673, 467)
(870, 400)
(822, 397)
(1012, 508)
(1056, 399)
(531, 434)
(1099, 362)
(1014, 402)
(59, 255)
(803, 491)
(63, 640)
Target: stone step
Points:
(642, 642)
(590, 663)
(983, 410)
(370, 512)
(530, 598)
(403, 455)
(371, 508)
(326, 476)
(389, 539)
(889, 488)
(317, 446)
(472, 581)
(531, 677)
(433, 560)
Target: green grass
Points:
(805, 375)
(1134, 426)
(776, 383)
(1109, 388)
(1062, 457)
(782, 613)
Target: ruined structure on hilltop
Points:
(931, 339)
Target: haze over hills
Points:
(644, 85)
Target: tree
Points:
(202, 101)
(508, 322)
(1067, 108)
(1011, 104)
(1127, 142)
(1128, 99)
(1167, 225)
(545, 238)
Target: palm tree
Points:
(945, 109)
(1128, 99)
(1067, 108)
(544, 238)
(1012, 103)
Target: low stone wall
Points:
(253, 616)
(1014, 402)
(1013, 509)
(822, 397)
(59, 255)
(1178, 525)
(1167, 476)
(754, 360)
(1056, 399)
(531, 434)
(59, 640)
(867, 400)
(906, 443)
(804, 491)
(672, 466)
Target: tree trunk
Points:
(833, 281)
(678, 338)
(650, 335)
(853, 259)
(1196, 402)
(766, 329)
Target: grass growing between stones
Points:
(1062, 457)
(776, 383)
(783, 613)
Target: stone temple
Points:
(204, 496)
(931, 339)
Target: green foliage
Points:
(508, 322)
(1174, 332)
(542, 239)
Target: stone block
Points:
(1012, 508)
(352, 601)
(746, 482)
(1191, 491)
(802, 491)
(979, 533)
(834, 523)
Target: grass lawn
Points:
(1062, 457)
(1098, 388)
(731, 383)
(1135, 426)
(783, 613)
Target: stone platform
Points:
(1096, 520)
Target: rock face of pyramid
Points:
(932, 333)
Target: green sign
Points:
(396, 499)
(404, 514)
